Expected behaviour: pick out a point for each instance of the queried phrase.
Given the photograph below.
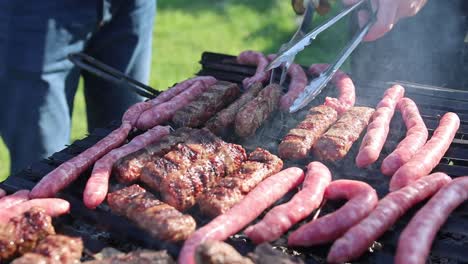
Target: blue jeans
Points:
(38, 82)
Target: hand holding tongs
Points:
(287, 54)
(108, 73)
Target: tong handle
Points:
(108, 73)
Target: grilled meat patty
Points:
(207, 104)
(54, 249)
(128, 168)
(336, 142)
(191, 167)
(223, 121)
(252, 115)
(298, 143)
(231, 189)
(22, 233)
(161, 220)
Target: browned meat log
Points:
(217, 252)
(54, 249)
(252, 115)
(231, 189)
(191, 167)
(207, 104)
(336, 142)
(137, 257)
(298, 143)
(128, 168)
(22, 233)
(223, 121)
(161, 220)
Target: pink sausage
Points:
(377, 131)
(296, 85)
(279, 219)
(16, 198)
(164, 112)
(67, 172)
(430, 154)
(360, 237)
(260, 198)
(97, 185)
(133, 113)
(345, 86)
(362, 199)
(416, 239)
(416, 137)
(52, 206)
(251, 57)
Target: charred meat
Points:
(336, 142)
(252, 115)
(207, 105)
(217, 252)
(137, 257)
(223, 121)
(231, 189)
(298, 143)
(161, 220)
(22, 233)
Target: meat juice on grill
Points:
(223, 121)
(183, 173)
(128, 168)
(299, 141)
(22, 233)
(207, 105)
(252, 115)
(231, 189)
(161, 220)
(54, 249)
(336, 142)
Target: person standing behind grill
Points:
(37, 81)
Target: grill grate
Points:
(100, 229)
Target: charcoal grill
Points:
(100, 228)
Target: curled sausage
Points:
(429, 155)
(251, 57)
(361, 236)
(279, 219)
(416, 239)
(362, 199)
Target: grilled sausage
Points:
(279, 219)
(337, 141)
(13, 199)
(427, 158)
(254, 203)
(416, 239)
(362, 199)
(361, 236)
(251, 57)
(377, 131)
(207, 105)
(223, 121)
(165, 111)
(416, 137)
(347, 93)
(67, 172)
(298, 81)
(299, 141)
(254, 113)
(97, 185)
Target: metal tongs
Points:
(108, 73)
(288, 52)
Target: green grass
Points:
(184, 29)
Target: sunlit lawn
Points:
(184, 29)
